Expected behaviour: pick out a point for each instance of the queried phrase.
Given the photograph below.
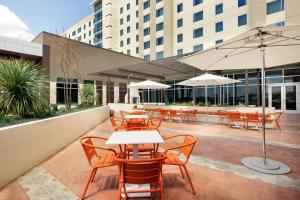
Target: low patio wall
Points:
(25, 145)
(121, 106)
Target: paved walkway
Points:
(214, 165)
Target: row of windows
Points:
(159, 27)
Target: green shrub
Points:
(23, 88)
(87, 95)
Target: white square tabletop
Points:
(136, 117)
(134, 137)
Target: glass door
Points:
(275, 97)
(291, 97)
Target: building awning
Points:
(163, 69)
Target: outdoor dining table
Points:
(136, 117)
(135, 138)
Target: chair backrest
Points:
(114, 124)
(124, 113)
(188, 145)
(90, 148)
(277, 115)
(221, 113)
(234, 115)
(144, 171)
(252, 116)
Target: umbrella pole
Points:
(263, 104)
(148, 96)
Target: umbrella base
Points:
(271, 166)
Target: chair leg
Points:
(184, 167)
(87, 183)
(162, 192)
(93, 177)
(278, 125)
(181, 171)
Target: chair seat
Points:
(172, 159)
(106, 160)
(142, 148)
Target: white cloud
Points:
(12, 26)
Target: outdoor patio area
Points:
(214, 166)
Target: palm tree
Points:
(23, 88)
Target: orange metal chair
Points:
(186, 149)
(118, 123)
(142, 171)
(154, 123)
(235, 117)
(96, 160)
(189, 115)
(164, 114)
(124, 113)
(222, 116)
(175, 115)
(274, 117)
(252, 117)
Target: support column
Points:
(246, 88)
(258, 89)
(194, 89)
(128, 90)
(116, 92)
(80, 88)
(53, 93)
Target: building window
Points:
(179, 23)
(121, 21)
(121, 43)
(197, 2)
(147, 18)
(219, 41)
(159, 12)
(122, 92)
(90, 23)
(84, 36)
(179, 8)
(219, 27)
(277, 24)
(128, 6)
(60, 91)
(147, 45)
(159, 55)
(90, 42)
(157, 1)
(137, 50)
(90, 33)
(128, 18)
(146, 4)
(128, 40)
(137, 13)
(84, 27)
(128, 29)
(180, 38)
(198, 47)
(159, 41)
(79, 30)
(128, 51)
(147, 57)
(198, 16)
(137, 26)
(136, 2)
(159, 26)
(179, 51)
(242, 20)
(79, 39)
(121, 10)
(275, 6)
(73, 33)
(198, 32)
(219, 9)
(121, 32)
(137, 38)
(110, 91)
(242, 3)
(147, 31)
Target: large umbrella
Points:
(208, 79)
(148, 85)
(259, 47)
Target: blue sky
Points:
(47, 15)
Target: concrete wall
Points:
(25, 145)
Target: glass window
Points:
(84, 26)
(292, 75)
(179, 8)
(137, 50)
(159, 55)
(137, 13)
(128, 6)
(219, 41)
(159, 41)
(147, 18)
(179, 23)
(157, 1)
(242, 20)
(128, 18)
(275, 6)
(137, 38)
(198, 32)
(121, 32)
(277, 24)
(73, 33)
(90, 33)
(159, 12)
(198, 16)
(180, 38)
(179, 51)
(219, 9)
(121, 10)
(79, 30)
(110, 91)
(159, 26)
(147, 57)
(128, 51)
(147, 31)
(198, 47)
(197, 2)
(128, 29)
(274, 76)
(121, 21)
(121, 43)
(122, 92)
(219, 27)
(136, 2)
(147, 45)
(128, 40)
(137, 26)
(146, 4)
(242, 3)
(90, 23)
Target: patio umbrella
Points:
(260, 47)
(207, 79)
(148, 85)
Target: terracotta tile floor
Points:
(215, 143)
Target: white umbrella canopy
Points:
(148, 84)
(282, 46)
(208, 79)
